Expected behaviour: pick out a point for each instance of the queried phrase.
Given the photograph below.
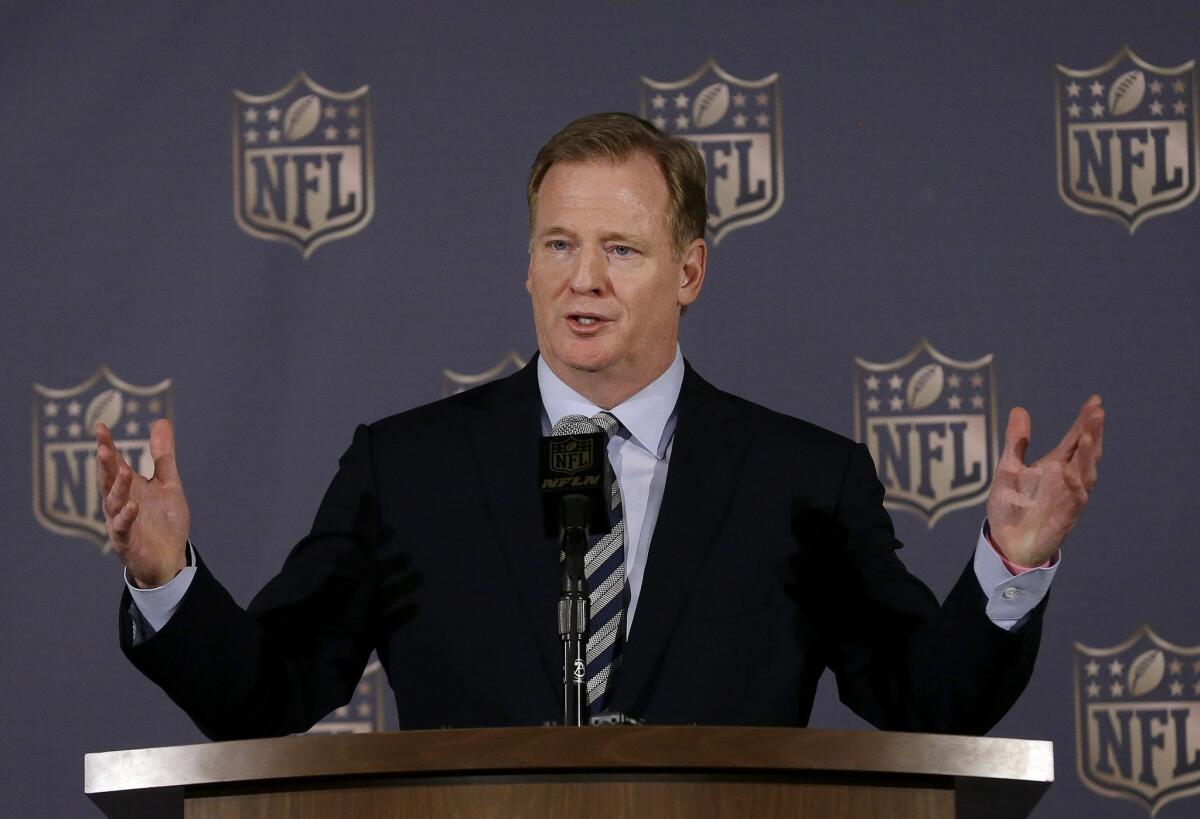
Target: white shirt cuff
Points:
(1010, 597)
(158, 604)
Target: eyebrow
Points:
(613, 236)
(624, 238)
(551, 230)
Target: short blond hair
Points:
(617, 136)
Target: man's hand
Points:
(1031, 508)
(146, 520)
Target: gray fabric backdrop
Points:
(920, 200)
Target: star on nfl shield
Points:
(66, 499)
(1137, 719)
(930, 424)
(302, 163)
(737, 126)
(1128, 138)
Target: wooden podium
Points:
(581, 773)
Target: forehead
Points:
(631, 191)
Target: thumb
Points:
(162, 449)
(1016, 438)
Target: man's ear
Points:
(693, 264)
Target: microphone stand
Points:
(573, 609)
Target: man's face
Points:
(605, 276)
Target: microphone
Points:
(573, 477)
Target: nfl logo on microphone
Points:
(571, 455)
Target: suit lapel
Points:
(504, 434)
(709, 447)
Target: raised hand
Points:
(146, 519)
(1031, 508)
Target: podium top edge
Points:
(596, 749)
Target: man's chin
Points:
(586, 358)
(587, 366)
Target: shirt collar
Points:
(648, 415)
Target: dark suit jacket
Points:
(772, 559)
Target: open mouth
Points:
(584, 322)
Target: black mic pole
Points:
(573, 609)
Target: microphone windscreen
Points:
(575, 465)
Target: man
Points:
(753, 549)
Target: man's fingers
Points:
(106, 468)
(1095, 428)
(108, 459)
(1066, 447)
(162, 449)
(118, 496)
(1087, 457)
(121, 524)
(1083, 462)
(1016, 438)
(1080, 473)
(103, 434)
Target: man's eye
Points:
(621, 250)
(557, 245)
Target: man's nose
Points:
(591, 272)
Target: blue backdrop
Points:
(924, 176)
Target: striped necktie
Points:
(604, 568)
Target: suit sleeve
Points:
(903, 662)
(299, 649)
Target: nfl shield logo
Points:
(1137, 719)
(574, 454)
(930, 424)
(302, 163)
(453, 383)
(736, 125)
(65, 496)
(1127, 138)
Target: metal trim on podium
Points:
(617, 771)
